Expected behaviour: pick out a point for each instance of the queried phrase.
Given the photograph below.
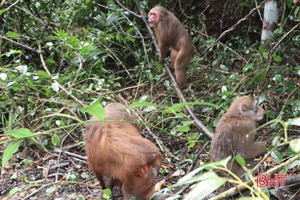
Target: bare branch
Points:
(285, 35)
(131, 12)
(108, 7)
(22, 45)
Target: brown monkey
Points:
(117, 150)
(230, 136)
(171, 33)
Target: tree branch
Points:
(22, 45)
(131, 12)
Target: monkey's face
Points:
(153, 17)
(252, 110)
(257, 113)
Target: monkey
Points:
(117, 150)
(230, 135)
(171, 33)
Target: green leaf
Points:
(13, 35)
(248, 67)
(240, 160)
(129, 30)
(295, 121)
(190, 178)
(96, 109)
(223, 67)
(50, 61)
(178, 106)
(118, 37)
(183, 129)
(295, 145)
(223, 162)
(107, 193)
(12, 191)
(192, 136)
(160, 66)
(296, 11)
(190, 144)
(55, 140)
(275, 140)
(294, 164)
(271, 115)
(14, 176)
(11, 52)
(276, 155)
(261, 49)
(10, 150)
(130, 38)
(204, 188)
(208, 166)
(2, 11)
(22, 133)
(277, 58)
(265, 55)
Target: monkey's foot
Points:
(179, 86)
(171, 66)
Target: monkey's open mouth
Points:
(151, 23)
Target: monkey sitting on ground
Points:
(117, 150)
(230, 136)
(171, 33)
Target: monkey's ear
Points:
(147, 171)
(143, 171)
(244, 107)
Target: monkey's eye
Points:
(253, 108)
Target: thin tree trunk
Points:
(270, 20)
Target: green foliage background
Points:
(95, 51)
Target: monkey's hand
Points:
(161, 59)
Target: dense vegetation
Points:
(58, 57)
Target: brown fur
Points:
(171, 33)
(117, 150)
(230, 137)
